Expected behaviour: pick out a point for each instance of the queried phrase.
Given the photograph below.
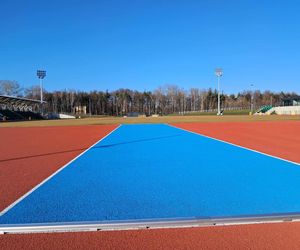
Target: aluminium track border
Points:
(146, 224)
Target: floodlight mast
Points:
(252, 98)
(219, 73)
(41, 74)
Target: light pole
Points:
(41, 74)
(252, 98)
(219, 73)
(90, 110)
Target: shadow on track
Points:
(82, 149)
(135, 141)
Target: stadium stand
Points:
(16, 109)
(284, 110)
(11, 115)
(290, 106)
(264, 109)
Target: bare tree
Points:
(166, 99)
(33, 92)
(11, 88)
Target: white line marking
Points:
(253, 150)
(5, 210)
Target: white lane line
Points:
(5, 210)
(236, 145)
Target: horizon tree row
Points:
(164, 100)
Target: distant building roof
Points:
(12, 100)
(18, 103)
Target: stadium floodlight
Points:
(219, 73)
(41, 74)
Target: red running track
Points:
(279, 138)
(276, 236)
(30, 155)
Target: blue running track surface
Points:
(158, 171)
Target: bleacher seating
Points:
(9, 115)
(264, 109)
(28, 115)
(285, 110)
(11, 106)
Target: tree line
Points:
(164, 100)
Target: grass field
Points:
(162, 119)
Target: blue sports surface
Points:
(161, 172)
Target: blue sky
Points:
(141, 45)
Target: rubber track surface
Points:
(262, 236)
(29, 155)
(279, 138)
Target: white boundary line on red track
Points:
(5, 210)
(236, 145)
